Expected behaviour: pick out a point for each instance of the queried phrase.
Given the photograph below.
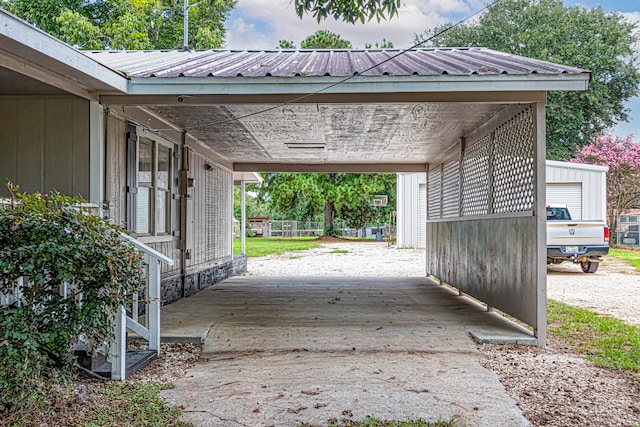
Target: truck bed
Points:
(575, 233)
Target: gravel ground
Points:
(375, 259)
(613, 290)
(552, 386)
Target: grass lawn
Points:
(606, 341)
(261, 246)
(629, 256)
(133, 404)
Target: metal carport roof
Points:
(351, 110)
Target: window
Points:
(154, 189)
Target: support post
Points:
(243, 223)
(118, 352)
(539, 159)
(153, 293)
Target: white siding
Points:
(422, 216)
(593, 182)
(408, 208)
(45, 145)
(209, 238)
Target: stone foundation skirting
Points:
(171, 285)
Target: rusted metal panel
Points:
(320, 63)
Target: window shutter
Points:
(175, 192)
(132, 180)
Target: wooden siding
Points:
(45, 144)
(494, 260)
(210, 203)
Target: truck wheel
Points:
(589, 267)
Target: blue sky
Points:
(259, 24)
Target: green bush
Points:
(49, 242)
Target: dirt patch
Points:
(332, 239)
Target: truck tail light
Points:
(606, 235)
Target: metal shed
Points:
(583, 188)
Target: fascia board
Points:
(37, 47)
(358, 84)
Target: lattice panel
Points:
(451, 189)
(513, 165)
(434, 192)
(475, 178)
(218, 212)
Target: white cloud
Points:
(635, 18)
(263, 22)
(244, 35)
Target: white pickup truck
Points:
(582, 242)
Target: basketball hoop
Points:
(380, 200)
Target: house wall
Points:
(44, 143)
(209, 233)
(207, 257)
(484, 235)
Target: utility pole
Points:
(185, 26)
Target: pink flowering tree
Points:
(622, 155)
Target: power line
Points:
(346, 79)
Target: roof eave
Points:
(356, 84)
(33, 47)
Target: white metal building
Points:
(583, 188)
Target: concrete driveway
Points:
(283, 351)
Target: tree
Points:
(622, 156)
(384, 44)
(309, 196)
(127, 24)
(591, 39)
(348, 10)
(286, 44)
(323, 39)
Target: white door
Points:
(566, 194)
(422, 216)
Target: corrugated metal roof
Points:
(317, 63)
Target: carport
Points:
(473, 119)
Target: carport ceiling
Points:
(294, 110)
(330, 133)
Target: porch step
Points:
(136, 360)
